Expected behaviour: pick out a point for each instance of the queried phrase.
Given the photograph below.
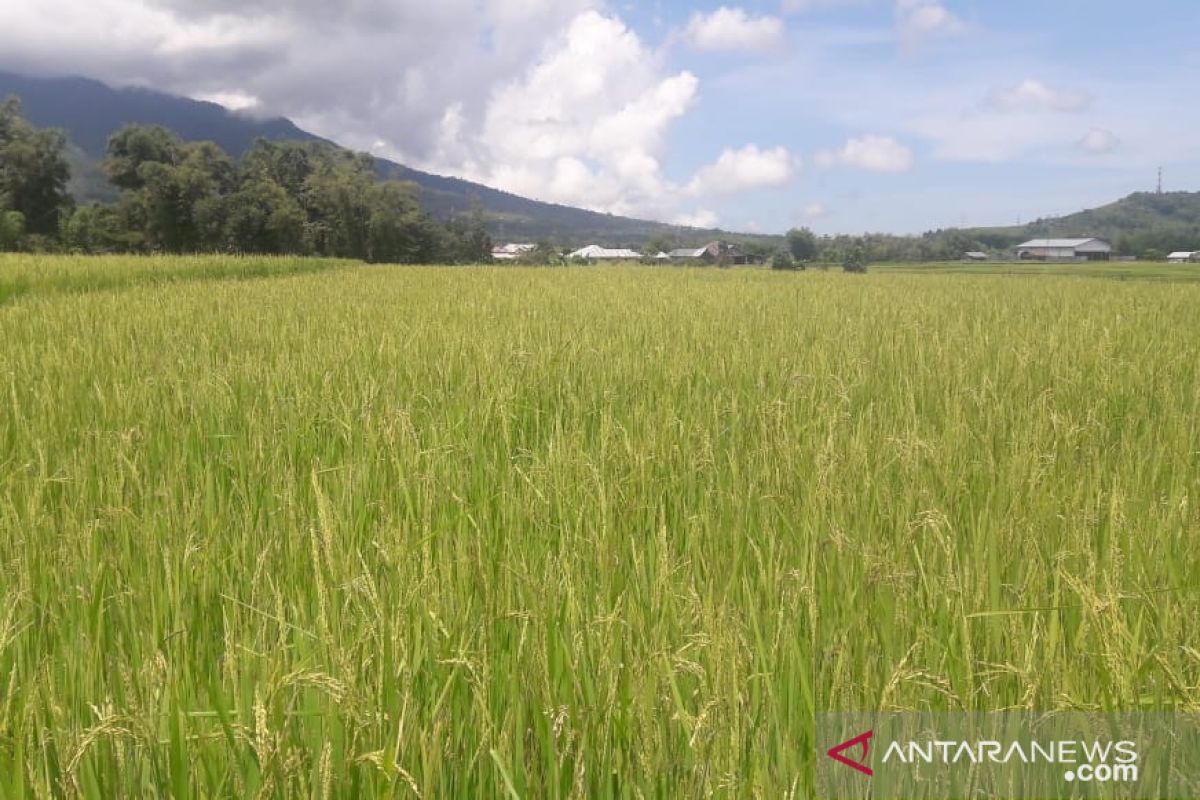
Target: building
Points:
(711, 253)
(512, 252)
(596, 253)
(1184, 257)
(975, 255)
(1065, 250)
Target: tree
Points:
(262, 217)
(398, 230)
(855, 261)
(99, 229)
(33, 171)
(782, 260)
(12, 228)
(802, 244)
(1152, 254)
(134, 146)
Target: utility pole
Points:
(1160, 191)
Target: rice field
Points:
(287, 528)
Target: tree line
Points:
(303, 198)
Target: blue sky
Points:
(843, 115)
(843, 71)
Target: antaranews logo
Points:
(861, 764)
(1084, 761)
(1017, 755)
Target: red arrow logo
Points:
(864, 742)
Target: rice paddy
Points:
(275, 527)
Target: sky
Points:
(844, 116)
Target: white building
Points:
(595, 252)
(1184, 257)
(1065, 250)
(512, 252)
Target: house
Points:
(512, 252)
(662, 257)
(1065, 250)
(1184, 257)
(975, 255)
(711, 253)
(596, 253)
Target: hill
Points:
(1134, 224)
(90, 111)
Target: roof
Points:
(598, 252)
(1066, 243)
(976, 254)
(662, 256)
(514, 248)
(511, 252)
(1182, 254)
(688, 252)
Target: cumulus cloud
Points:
(552, 99)
(815, 211)
(733, 29)
(872, 153)
(357, 72)
(1099, 142)
(1034, 95)
(747, 168)
(918, 21)
(585, 125)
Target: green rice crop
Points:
(588, 532)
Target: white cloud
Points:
(1099, 142)
(1034, 95)
(235, 101)
(733, 29)
(872, 153)
(585, 125)
(815, 211)
(747, 168)
(701, 218)
(920, 20)
(354, 72)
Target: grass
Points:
(574, 532)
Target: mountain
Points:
(90, 111)
(1133, 225)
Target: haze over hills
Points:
(90, 111)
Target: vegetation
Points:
(90, 113)
(303, 527)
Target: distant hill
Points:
(1141, 221)
(89, 111)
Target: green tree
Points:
(33, 171)
(398, 232)
(782, 260)
(12, 228)
(802, 244)
(99, 229)
(856, 260)
(134, 146)
(262, 217)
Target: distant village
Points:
(714, 253)
(726, 254)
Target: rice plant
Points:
(337, 530)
